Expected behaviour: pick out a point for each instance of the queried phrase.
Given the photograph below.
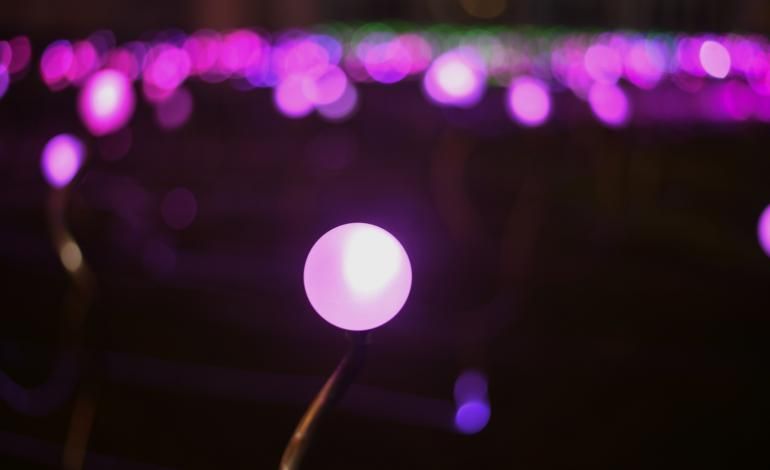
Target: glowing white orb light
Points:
(106, 102)
(357, 276)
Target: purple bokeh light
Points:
(609, 104)
(357, 276)
(343, 108)
(21, 53)
(123, 61)
(175, 110)
(290, 99)
(472, 417)
(763, 230)
(61, 160)
(645, 63)
(603, 63)
(529, 101)
(4, 80)
(179, 208)
(5, 54)
(326, 86)
(456, 78)
(166, 67)
(55, 64)
(715, 59)
(471, 385)
(385, 58)
(106, 102)
(85, 61)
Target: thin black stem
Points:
(332, 391)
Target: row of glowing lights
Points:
(318, 71)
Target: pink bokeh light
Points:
(174, 111)
(166, 67)
(55, 63)
(715, 59)
(106, 102)
(289, 97)
(61, 160)
(528, 101)
(645, 63)
(4, 80)
(325, 86)
(21, 53)
(85, 61)
(357, 276)
(603, 63)
(343, 108)
(456, 78)
(385, 58)
(5, 54)
(609, 104)
(763, 230)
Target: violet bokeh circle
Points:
(357, 276)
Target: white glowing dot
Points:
(455, 78)
(70, 256)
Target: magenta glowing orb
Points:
(341, 109)
(357, 276)
(763, 230)
(290, 99)
(609, 104)
(326, 86)
(456, 78)
(4, 80)
(472, 417)
(528, 101)
(715, 59)
(603, 63)
(56, 63)
(106, 102)
(174, 111)
(62, 157)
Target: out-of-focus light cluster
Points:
(473, 410)
(619, 75)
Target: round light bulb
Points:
(357, 276)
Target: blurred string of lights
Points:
(621, 78)
(624, 78)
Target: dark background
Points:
(608, 282)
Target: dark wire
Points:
(332, 391)
(76, 307)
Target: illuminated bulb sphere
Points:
(62, 157)
(106, 102)
(763, 230)
(357, 276)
